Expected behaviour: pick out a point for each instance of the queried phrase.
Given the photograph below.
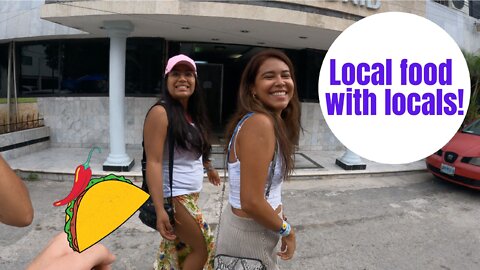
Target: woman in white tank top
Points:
(267, 118)
(188, 244)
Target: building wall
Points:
(461, 27)
(21, 19)
(83, 122)
(316, 134)
(365, 7)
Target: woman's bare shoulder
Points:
(260, 121)
(157, 110)
(259, 124)
(157, 113)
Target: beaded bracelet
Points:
(285, 230)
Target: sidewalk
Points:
(333, 217)
(60, 164)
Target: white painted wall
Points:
(21, 19)
(459, 25)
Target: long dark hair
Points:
(290, 116)
(185, 135)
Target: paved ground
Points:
(401, 221)
(60, 163)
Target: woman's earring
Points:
(254, 95)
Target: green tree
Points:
(473, 62)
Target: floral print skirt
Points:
(172, 254)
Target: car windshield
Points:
(474, 128)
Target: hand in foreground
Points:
(288, 246)
(58, 255)
(164, 226)
(213, 177)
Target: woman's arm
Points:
(212, 174)
(255, 146)
(154, 135)
(15, 205)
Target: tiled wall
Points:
(84, 122)
(23, 137)
(316, 134)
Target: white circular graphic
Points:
(394, 87)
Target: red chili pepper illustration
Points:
(83, 173)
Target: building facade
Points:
(65, 57)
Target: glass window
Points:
(39, 74)
(442, 2)
(3, 69)
(144, 66)
(80, 67)
(66, 67)
(84, 65)
(474, 9)
(307, 67)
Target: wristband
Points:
(285, 230)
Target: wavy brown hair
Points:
(287, 126)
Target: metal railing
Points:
(27, 121)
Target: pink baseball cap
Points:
(177, 59)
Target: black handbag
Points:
(148, 215)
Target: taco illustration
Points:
(104, 205)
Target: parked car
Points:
(459, 160)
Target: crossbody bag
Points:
(148, 215)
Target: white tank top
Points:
(187, 172)
(275, 196)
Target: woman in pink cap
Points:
(188, 244)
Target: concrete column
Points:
(117, 160)
(350, 161)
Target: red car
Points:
(459, 160)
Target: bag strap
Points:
(270, 176)
(171, 144)
(171, 148)
(274, 159)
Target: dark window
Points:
(144, 66)
(3, 70)
(442, 2)
(40, 75)
(84, 65)
(62, 68)
(307, 69)
(475, 8)
(80, 67)
(27, 60)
